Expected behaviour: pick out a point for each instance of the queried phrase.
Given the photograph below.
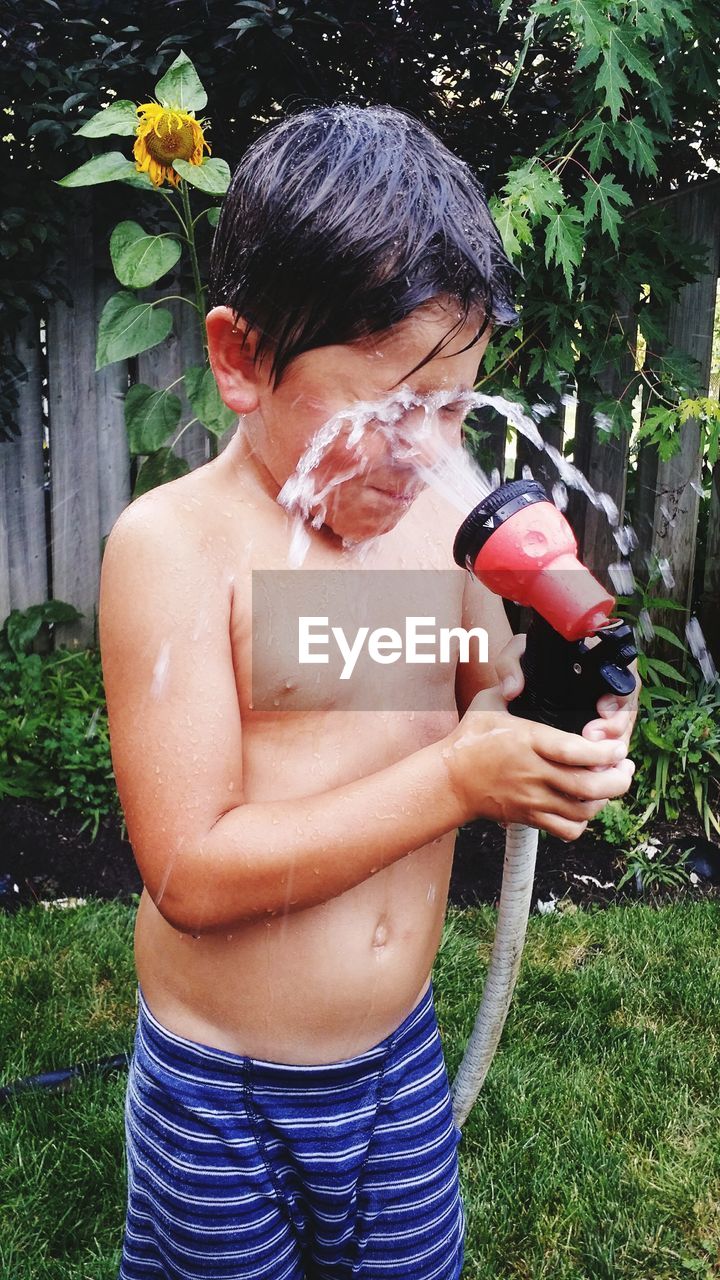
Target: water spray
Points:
(522, 548)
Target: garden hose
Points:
(62, 1079)
(521, 547)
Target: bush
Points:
(54, 743)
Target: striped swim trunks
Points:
(240, 1169)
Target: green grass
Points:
(592, 1152)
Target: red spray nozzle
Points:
(521, 547)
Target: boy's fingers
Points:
(563, 828)
(592, 785)
(507, 665)
(574, 750)
(617, 726)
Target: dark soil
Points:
(45, 857)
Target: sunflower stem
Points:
(169, 200)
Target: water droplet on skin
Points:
(160, 670)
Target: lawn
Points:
(592, 1152)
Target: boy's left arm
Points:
(482, 608)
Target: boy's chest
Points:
(368, 632)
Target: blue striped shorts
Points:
(240, 1169)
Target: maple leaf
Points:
(607, 198)
(640, 149)
(532, 188)
(612, 79)
(588, 16)
(564, 241)
(512, 225)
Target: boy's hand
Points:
(513, 770)
(616, 715)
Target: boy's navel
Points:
(380, 935)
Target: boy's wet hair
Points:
(341, 221)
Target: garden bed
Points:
(47, 857)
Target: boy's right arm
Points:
(209, 859)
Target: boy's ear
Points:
(232, 344)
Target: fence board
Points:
(5, 531)
(23, 567)
(710, 601)
(603, 463)
(113, 453)
(73, 413)
(668, 492)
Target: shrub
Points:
(54, 743)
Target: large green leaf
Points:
(607, 198)
(513, 226)
(181, 86)
(212, 176)
(138, 258)
(150, 417)
(641, 144)
(612, 80)
(159, 468)
(113, 166)
(120, 117)
(203, 394)
(128, 326)
(22, 625)
(564, 241)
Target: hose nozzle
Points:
(521, 547)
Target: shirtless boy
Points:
(288, 1115)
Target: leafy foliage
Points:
(676, 742)
(54, 743)
(677, 752)
(654, 868)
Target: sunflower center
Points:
(170, 141)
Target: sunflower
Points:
(163, 135)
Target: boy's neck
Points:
(245, 465)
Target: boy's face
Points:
(370, 485)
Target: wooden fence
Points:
(64, 482)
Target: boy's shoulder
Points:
(192, 504)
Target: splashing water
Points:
(699, 650)
(444, 466)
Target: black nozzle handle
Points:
(565, 678)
